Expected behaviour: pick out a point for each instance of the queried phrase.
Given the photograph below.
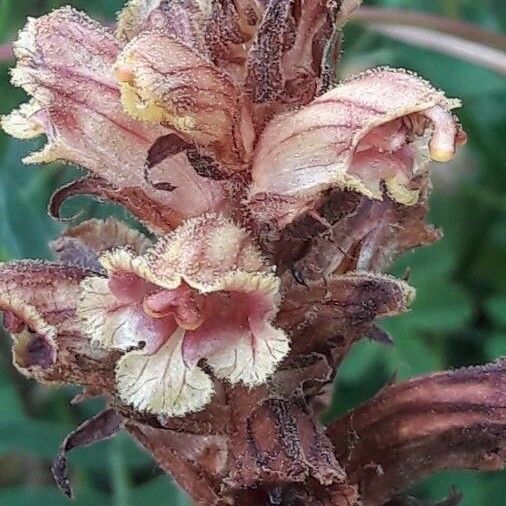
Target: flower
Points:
(379, 128)
(65, 62)
(275, 198)
(202, 292)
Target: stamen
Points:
(124, 75)
(181, 303)
(444, 136)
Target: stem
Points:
(451, 45)
(450, 420)
(119, 472)
(467, 31)
(455, 38)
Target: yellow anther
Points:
(441, 155)
(124, 75)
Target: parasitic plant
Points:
(275, 198)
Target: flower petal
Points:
(25, 122)
(77, 103)
(166, 82)
(108, 322)
(243, 346)
(202, 251)
(83, 244)
(113, 323)
(302, 154)
(163, 383)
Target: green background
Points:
(459, 317)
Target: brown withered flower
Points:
(275, 197)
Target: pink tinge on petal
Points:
(182, 303)
(388, 137)
(154, 332)
(373, 165)
(65, 61)
(128, 287)
(302, 154)
(227, 317)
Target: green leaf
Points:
(439, 307)
(31, 437)
(359, 361)
(49, 496)
(496, 310)
(25, 228)
(157, 491)
(412, 355)
(12, 409)
(496, 346)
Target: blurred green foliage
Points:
(459, 316)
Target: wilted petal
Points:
(39, 301)
(371, 129)
(265, 80)
(163, 382)
(347, 304)
(49, 287)
(165, 82)
(99, 428)
(183, 19)
(83, 244)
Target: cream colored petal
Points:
(108, 323)
(253, 358)
(24, 122)
(163, 383)
(127, 260)
(237, 336)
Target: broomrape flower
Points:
(379, 128)
(221, 127)
(202, 292)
